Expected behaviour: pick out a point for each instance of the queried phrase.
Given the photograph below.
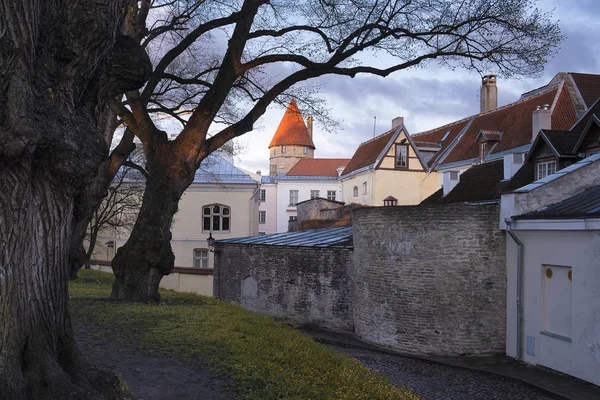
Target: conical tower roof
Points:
(291, 129)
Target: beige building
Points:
(391, 164)
(223, 201)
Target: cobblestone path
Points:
(440, 382)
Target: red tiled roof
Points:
(436, 135)
(291, 129)
(514, 120)
(318, 167)
(367, 152)
(588, 85)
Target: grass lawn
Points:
(266, 358)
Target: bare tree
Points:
(302, 40)
(118, 210)
(59, 61)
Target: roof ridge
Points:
(377, 137)
(442, 126)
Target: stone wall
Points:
(318, 209)
(430, 279)
(305, 285)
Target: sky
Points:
(426, 98)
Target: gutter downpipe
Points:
(520, 249)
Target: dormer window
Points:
(482, 148)
(544, 168)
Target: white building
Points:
(294, 174)
(553, 256)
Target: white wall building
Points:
(553, 258)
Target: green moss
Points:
(266, 358)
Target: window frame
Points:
(314, 194)
(355, 191)
(545, 164)
(262, 216)
(283, 149)
(263, 195)
(296, 196)
(399, 145)
(222, 216)
(329, 195)
(200, 258)
(364, 188)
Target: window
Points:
(273, 169)
(401, 156)
(482, 150)
(263, 195)
(355, 191)
(364, 187)
(454, 175)
(262, 233)
(331, 195)
(283, 148)
(314, 194)
(305, 150)
(293, 197)
(200, 258)
(216, 218)
(293, 218)
(544, 169)
(262, 217)
(445, 136)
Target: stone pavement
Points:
(556, 385)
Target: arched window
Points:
(355, 191)
(216, 218)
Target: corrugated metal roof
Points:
(329, 237)
(583, 205)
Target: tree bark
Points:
(146, 257)
(56, 71)
(38, 355)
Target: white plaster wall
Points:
(270, 206)
(579, 250)
(284, 210)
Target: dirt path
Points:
(153, 377)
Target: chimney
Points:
(451, 179)
(309, 126)
(541, 119)
(512, 163)
(396, 122)
(489, 93)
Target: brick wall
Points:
(430, 279)
(303, 285)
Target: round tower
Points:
(292, 141)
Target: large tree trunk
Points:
(58, 61)
(38, 355)
(146, 257)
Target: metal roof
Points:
(329, 237)
(216, 169)
(583, 205)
